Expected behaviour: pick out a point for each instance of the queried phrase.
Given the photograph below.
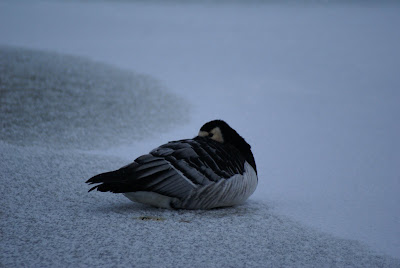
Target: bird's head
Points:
(213, 130)
(220, 131)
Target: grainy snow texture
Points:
(47, 98)
(49, 220)
(314, 88)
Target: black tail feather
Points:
(112, 176)
(113, 181)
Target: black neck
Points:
(245, 149)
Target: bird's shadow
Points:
(146, 212)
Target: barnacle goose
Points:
(214, 169)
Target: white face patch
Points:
(216, 134)
(203, 133)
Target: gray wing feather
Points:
(174, 169)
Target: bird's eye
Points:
(210, 134)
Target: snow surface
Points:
(314, 90)
(49, 220)
(37, 101)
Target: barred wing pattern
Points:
(189, 173)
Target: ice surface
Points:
(56, 100)
(314, 91)
(49, 219)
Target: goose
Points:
(214, 169)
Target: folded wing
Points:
(174, 169)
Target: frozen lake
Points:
(314, 90)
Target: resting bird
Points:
(214, 169)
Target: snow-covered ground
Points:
(314, 90)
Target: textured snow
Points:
(49, 219)
(57, 100)
(314, 91)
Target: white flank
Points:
(225, 192)
(151, 198)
